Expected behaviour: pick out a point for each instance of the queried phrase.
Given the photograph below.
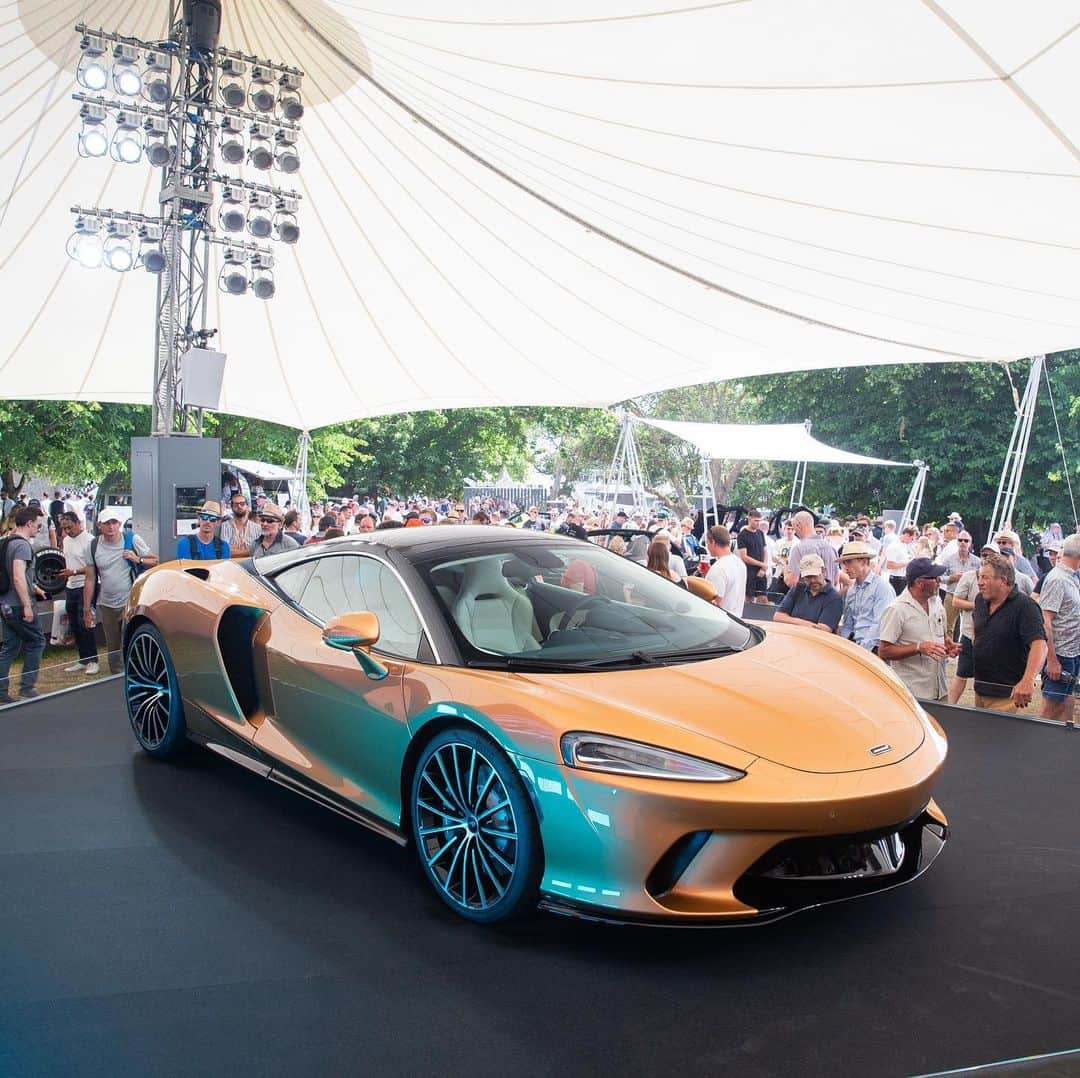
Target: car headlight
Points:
(617, 755)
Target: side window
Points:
(351, 583)
(292, 581)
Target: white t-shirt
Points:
(899, 551)
(728, 576)
(76, 555)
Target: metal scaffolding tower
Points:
(171, 109)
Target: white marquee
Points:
(579, 201)
(762, 441)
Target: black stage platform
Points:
(191, 919)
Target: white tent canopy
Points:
(761, 441)
(580, 201)
(260, 469)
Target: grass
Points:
(51, 676)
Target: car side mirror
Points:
(356, 633)
(699, 586)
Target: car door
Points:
(329, 723)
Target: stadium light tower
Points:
(169, 103)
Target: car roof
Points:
(415, 543)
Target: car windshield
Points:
(571, 606)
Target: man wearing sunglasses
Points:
(203, 544)
(274, 539)
(962, 560)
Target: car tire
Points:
(152, 694)
(47, 565)
(474, 828)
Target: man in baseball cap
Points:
(913, 632)
(813, 602)
(868, 597)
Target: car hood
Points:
(808, 704)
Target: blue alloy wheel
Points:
(153, 696)
(474, 827)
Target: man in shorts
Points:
(1059, 597)
(753, 553)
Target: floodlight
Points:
(290, 107)
(92, 72)
(151, 254)
(126, 78)
(127, 141)
(234, 274)
(260, 222)
(231, 82)
(286, 158)
(93, 139)
(262, 275)
(260, 145)
(261, 96)
(158, 151)
(119, 246)
(232, 140)
(285, 227)
(84, 244)
(156, 79)
(232, 216)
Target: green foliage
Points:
(437, 451)
(68, 441)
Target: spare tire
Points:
(47, 565)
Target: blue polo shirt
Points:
(826, 606)
(203, 551)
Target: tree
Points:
(437, 451)
(67, 441)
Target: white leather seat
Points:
(491, 613)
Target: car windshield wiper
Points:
(526, 662)
(641, 658)
(697, 653)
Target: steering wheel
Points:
(580, 611)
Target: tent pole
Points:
(301, 500)
(798, 485)
(615, 473)
(634, 473)
(913, 505)
(1013, 467)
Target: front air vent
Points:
(666, 872)
(202, 574)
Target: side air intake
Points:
(235, 635)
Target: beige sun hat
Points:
(856, 549)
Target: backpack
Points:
(193, 548)
(5, 568)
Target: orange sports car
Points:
(546, 722)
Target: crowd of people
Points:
(915, 597)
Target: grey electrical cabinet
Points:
(171, 477)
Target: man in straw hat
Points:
(866, 599)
